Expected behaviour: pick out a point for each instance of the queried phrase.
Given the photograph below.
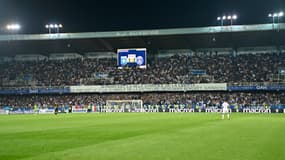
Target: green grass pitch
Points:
(142, 136)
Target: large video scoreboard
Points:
(132, 58)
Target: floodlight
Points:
(234, 17)
(219, 18)
(229, 17)
(224, 17)
(17, 26)
(54, 27)
(281, 14)
(13, 27)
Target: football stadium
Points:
(210, 92)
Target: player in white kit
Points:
(226, 110)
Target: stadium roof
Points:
(180, 38)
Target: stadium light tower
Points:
(52, 27)
(280, 15)
(276, 15)
(13, 27)
(230, 18)
(222, 19)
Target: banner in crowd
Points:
(198, 72)
(257, 88)
(149, 88)
(79, 109)
(2, 111)
(143, 88)
(34, 91)
(46, 111)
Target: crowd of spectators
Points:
(208, 99)
(172, 70)
(241, 68)
(55, 72)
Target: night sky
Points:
(93, 15)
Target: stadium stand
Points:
(203, 67)
(177, 69)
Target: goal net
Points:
(123, 106)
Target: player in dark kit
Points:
(56, 109)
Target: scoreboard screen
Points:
(132, 58)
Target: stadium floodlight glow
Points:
(13, 27)
(222, 19)
(278, 16)
(51, 27)
(230, 18)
